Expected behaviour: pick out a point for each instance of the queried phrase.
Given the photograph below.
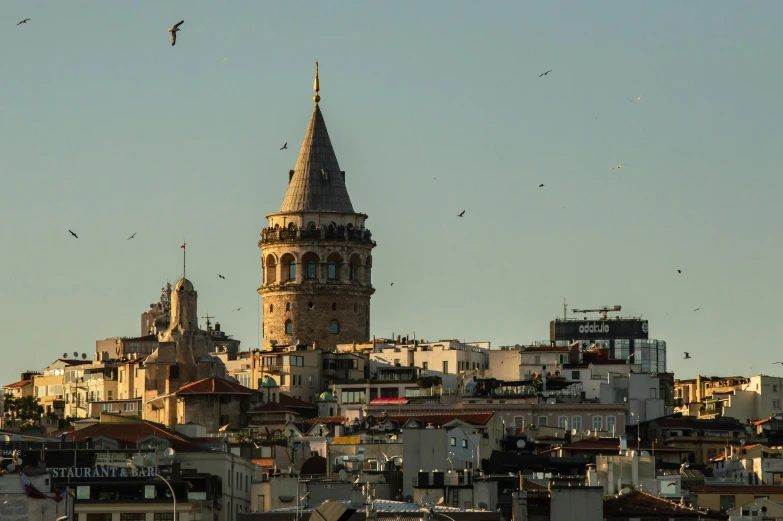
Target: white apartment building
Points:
(760, 398)
(449, 359)
(752, 464)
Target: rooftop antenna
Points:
(207, 317)
(565, 309)
(183, 257)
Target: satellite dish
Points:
(483, 506)
(425, 500)
(65, 355)
(645, 453)
(409, 499)
(84, 356)
(76, 354)
(573, 432)
(521, 444)
(343, 475)
(170, 454)
(742, 441)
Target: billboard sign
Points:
(598, 329)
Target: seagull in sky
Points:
(461, 214)
(773, 363)
(636, 99)
(23, 21)
(679, 271)
(687, 355)
(695, 310)
(544, 73)
(74, 234)
(541, 185)
(132, 236)
(237, 309)
(174, 30)
(617, 167)
(285, 146)
(392, 284)
(221, 276)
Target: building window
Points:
(282, 379)
(288, 306)
(129, 406)
(106, 407)
(574, 375)
(334, 306)
(445, 367)
(108, 394)
(425, 365)
(464, 444)
(598, 423)
(611, 422)
(289, 327)
(334, 327)
(165, 516)
(311, 225)
(311, 269)
(99, 517)
(351, 272)
(576, 422)
(774, 388)
(726, 502)
(133, 516)
(453, 441)
(543, 421)
(562, 422)
(331, 271)
(310, 381)
(776, 404)
(271, 308)
(653, 392)
(292, 270)
(519, 422)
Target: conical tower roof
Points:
(317, 184)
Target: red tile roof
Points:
(130, 433)
(290, 401)
(214, 385)
(270, 407)
(440, 419)
(641, 504)
(20, 383)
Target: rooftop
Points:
(20, 383)
(214, 385)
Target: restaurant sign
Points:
(101, 472)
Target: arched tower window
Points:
(270, 269)
(353, 267)
(288, 265)
(288, 306)
(368, 270)
(310, 261)
(289, 327)
(334, 327)
(333, 263)
(311, 225)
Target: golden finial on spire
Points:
(317, 87)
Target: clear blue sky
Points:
(108, 130)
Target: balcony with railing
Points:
(330, 233)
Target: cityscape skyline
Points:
(185, 147)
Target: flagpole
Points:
(184, 256)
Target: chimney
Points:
(217, 326)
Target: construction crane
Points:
(603, 311)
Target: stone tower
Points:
(316, 253)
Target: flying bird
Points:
(544, 73)
(679, 271)
(461, 214)
(636, 99)
(132, 236)
(617, 167)
(687, 355)
(74, 234)
(237, 309)
(285, 146)
(392, 283)
(773, 363)
(541, 185)
(221, 276)
(23, 21)
(174, 31)
(695, 310)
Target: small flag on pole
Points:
(183, 246)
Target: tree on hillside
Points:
(10, 404)
(29, 409)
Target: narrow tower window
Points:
(292, 270)
(289, 327)
(311, 270)
(334, 327)
(334, 306)
(288, 306)
(271, 308)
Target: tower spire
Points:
(316, 86)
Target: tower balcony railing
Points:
(340, 234)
